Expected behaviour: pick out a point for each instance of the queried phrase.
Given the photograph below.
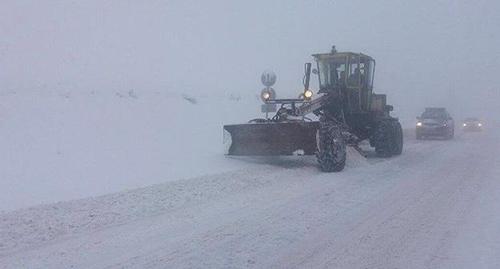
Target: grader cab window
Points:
(332, 73)
(360, 82)
(360, 72)
(356, 75)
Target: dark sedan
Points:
(435, 122)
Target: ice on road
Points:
(435, 206)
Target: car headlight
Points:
(479, 124)
(308, 94)
(419, 123)
(465, 124)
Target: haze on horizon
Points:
(447, 49)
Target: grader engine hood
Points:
(273, 138)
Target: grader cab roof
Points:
(336, 55)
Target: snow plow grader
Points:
(347, 112)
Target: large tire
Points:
(383, 139)
(331, 154)
(398, 138)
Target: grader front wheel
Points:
(331, 153)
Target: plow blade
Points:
(268, 139)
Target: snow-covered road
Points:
(436, 206)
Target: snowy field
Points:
(152, 193)
(60, 145)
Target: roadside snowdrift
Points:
(68, 145)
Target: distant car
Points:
(472, 125)
(435, 122)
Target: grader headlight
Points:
(267, 94)
(308, 94)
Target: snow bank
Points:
(37, 225)
(67, 145)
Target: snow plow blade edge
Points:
(271, 139)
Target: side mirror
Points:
(419, 118)
(315, 71)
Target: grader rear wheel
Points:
(383, 139)
(398, 138)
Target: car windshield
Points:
(434, 114)
(471, 120)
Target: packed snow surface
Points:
(435, 206)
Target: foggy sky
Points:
(447, 49)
